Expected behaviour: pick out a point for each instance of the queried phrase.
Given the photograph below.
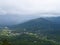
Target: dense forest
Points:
(8, 37)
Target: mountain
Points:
(52, 23)
(40, 31)
(54, 19)
(49, 27)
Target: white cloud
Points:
(30, 6)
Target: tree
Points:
(5, 42)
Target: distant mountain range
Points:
(41, 23)
(39, 31)
(48, 26)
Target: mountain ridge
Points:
(42, 26)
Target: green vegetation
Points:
(35, 32)
(41, 26)
(25, 38)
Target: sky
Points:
(30, 7)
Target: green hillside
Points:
(41, 26)
(25, 39)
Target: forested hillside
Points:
(42, 26)
(24, 39)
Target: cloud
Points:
(29, 6)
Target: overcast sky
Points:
(27, 7)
